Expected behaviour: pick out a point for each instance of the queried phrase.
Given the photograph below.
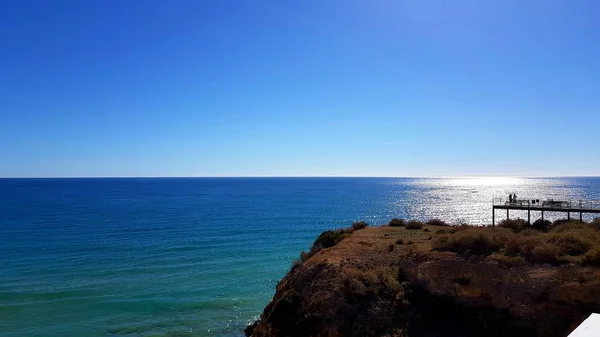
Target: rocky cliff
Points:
(393, 281)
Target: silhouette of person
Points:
(510, 198)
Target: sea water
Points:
(199, 256)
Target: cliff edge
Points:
(396, 281)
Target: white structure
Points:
(588, 328)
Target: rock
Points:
(353, 289)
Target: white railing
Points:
(548, 203)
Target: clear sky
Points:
(299, 88)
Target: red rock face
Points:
(361, 287)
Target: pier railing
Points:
(548, 203)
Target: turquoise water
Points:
(196, 257)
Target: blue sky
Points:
(299, 88)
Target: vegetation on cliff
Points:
(516, 243)
(440, 280)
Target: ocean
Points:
(199, 256)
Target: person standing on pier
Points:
(510, 198)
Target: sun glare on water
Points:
(487, 181)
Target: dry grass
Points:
(515, 241)
(359, 225)
(592, 257)
(397, 222)
(545, 253)
(328, 239)
(414, 224)
(508, 261)
(378, 275)
(473, 241)
(516, 225)
(436, 222)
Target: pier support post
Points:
(507, 214)
(542, 215)
(493, 217)
(580, 216)
(569, 216)
(529, 217)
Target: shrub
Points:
(457, 228)
(541, 225)
(397, 222)
(297, 263)
(468, 242)
(329, 239)
(566, 242)
(508, 261)
(440, 243)
(436, 222)
(571, 243)
(426, 229)
(390, 247)
(521, 245)
(359, 225)
(399, 241)
(559, 222)
(414, 224)
(595, 224)
(461, 222)
(500, 235)
(562, 222)
(545, 253)
(530, 232)
(304, 256)
(516, 225)
(560, 226)
(592, 257)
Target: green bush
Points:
(329, 239)
(397, 222)
(414, 224)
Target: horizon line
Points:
(293, 176)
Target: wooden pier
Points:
(549, 205)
